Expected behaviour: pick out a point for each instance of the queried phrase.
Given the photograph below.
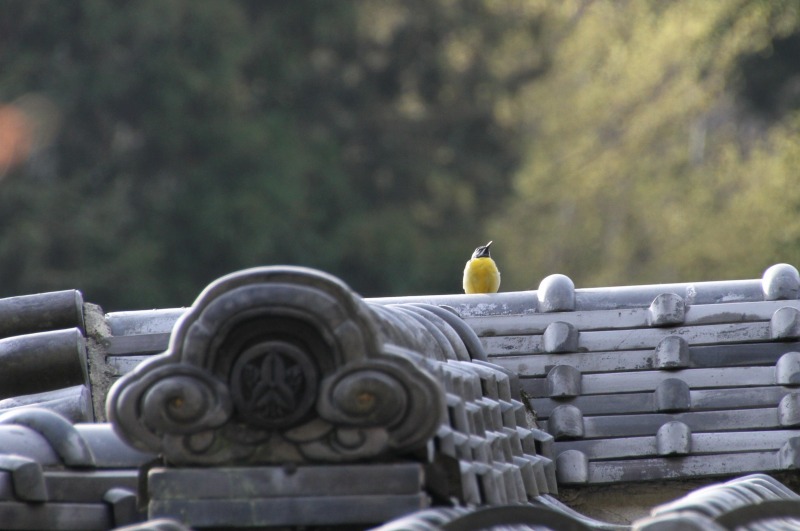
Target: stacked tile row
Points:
(634, 392)
(486, 435)
(134, 336)
(43, 354)
(56, 475)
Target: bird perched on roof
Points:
(481, 274)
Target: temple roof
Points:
(526, 393)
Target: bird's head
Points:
(482, 251)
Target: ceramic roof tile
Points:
(691, 384)
(628, 384)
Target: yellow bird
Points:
(481, 274)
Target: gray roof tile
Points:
(628, 384)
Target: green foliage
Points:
(382, 140)
(203, 137)
(648, 165)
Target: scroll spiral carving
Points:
(369, 397)
(391, 393)
(182, 404)
(170, 401)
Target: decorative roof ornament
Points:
(276, 365)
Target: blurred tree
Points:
(406, 95)
(196, 138)
(664, 148)
(170, 142)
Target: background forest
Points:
(148, 147)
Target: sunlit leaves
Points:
(642, 167)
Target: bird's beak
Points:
(488, 244)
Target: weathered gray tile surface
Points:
(700, 381)
(628, 384)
